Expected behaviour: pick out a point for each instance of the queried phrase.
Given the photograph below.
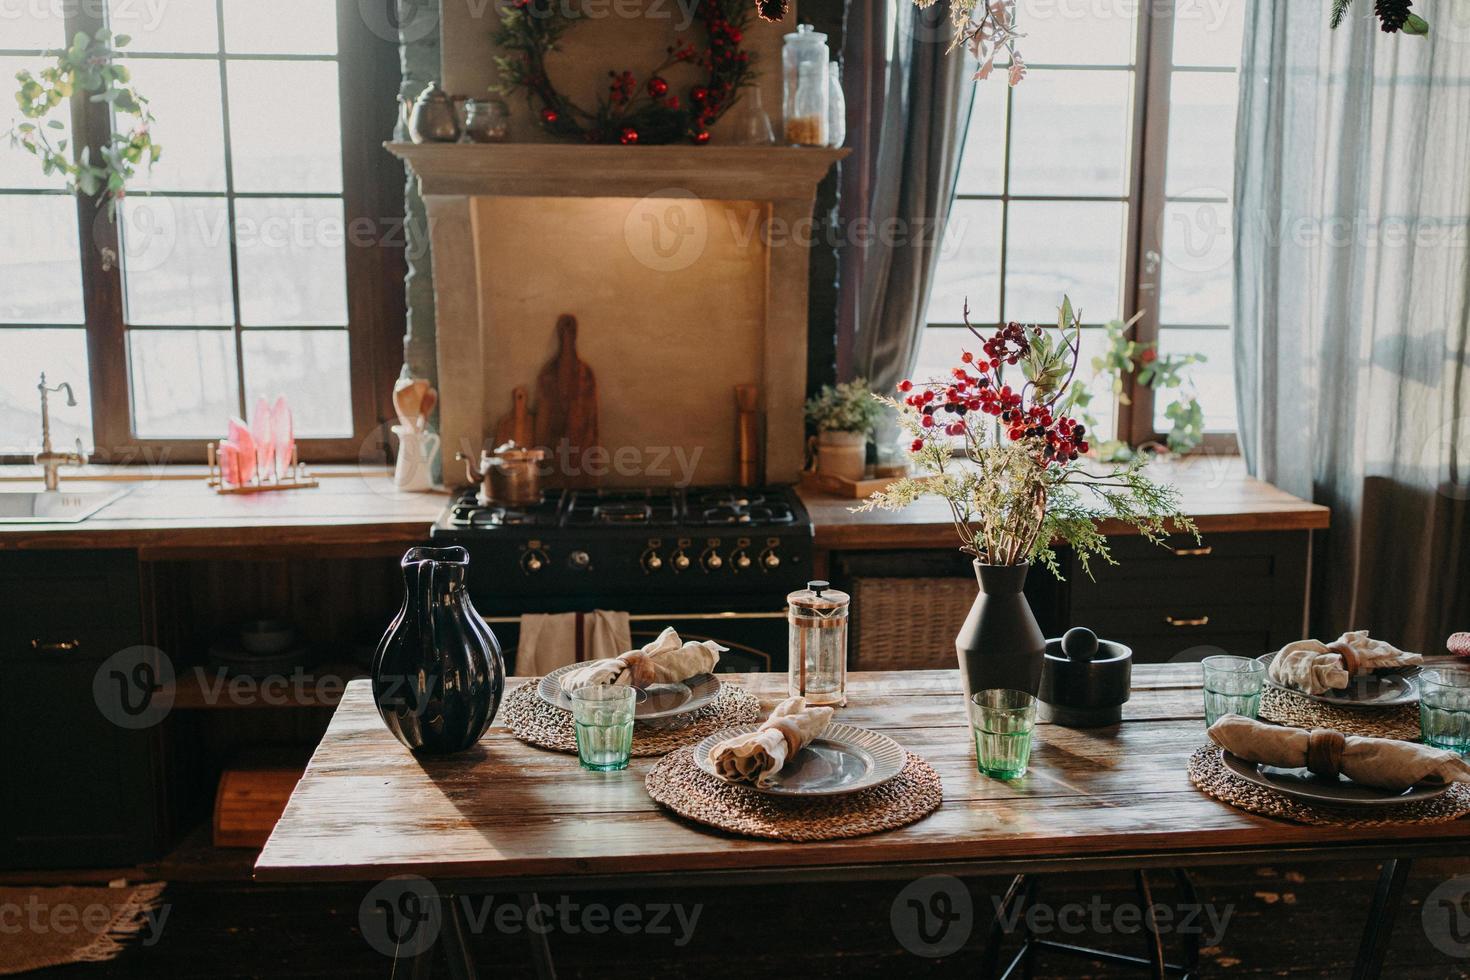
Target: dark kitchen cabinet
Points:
(1242, 593)
(80, 790)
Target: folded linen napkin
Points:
(1316, 667)
(756, 757)
(663, 661)
(1382, 762)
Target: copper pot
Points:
(510, 475)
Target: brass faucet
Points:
(49, 460)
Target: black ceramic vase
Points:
(1000, 644)
(437, 673)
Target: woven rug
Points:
(1401, 721)
(537, 723)
(1207, 771)
(72, 925)
(677, 783)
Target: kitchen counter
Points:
(357, 511)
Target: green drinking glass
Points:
(603, 718)
(1003, 723)
(1444, 709)
(1232, 687)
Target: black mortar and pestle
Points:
(1084, 680)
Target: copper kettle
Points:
(510, 475)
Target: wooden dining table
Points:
(506, 817)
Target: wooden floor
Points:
(1285, 921)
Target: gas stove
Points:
(632, 548)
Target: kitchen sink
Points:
(53, 506)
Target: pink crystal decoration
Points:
(244, 444)
(282, 436)
(260, 431)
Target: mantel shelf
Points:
(750, 173)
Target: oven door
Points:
(756, 640)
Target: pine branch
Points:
(1339, 11)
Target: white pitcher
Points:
(416, 452)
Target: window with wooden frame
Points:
(1106, 175)
(260, 255)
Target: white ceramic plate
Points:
(843, 759)
(658, 701)
(1379, 690)
(1302, 784)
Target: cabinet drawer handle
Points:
(1194, 552)
(1177, 622)
(55, 646)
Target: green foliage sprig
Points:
(1124, 356)
(1021, 481)
(89, 65)
(847, 407)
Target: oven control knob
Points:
(770, 560)
(580, 560)
(534, 561)
(681, 561)
(652, 562)
(741, 560)
(711, 560)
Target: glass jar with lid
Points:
(804, 73)
(817, 644)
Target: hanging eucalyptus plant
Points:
(89, 66)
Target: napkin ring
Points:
(1324, 752)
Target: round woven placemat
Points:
(1208, 772)
(679, 784)
(534, 721)
(1401, 721)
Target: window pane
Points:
(969, 265)
(1070, 247)
(184, 97)
(40, 263)
(183, 382)
(292, 262)
(1070, 133)
(188, 27)
(1209, 32)
(310, 368)
(176, 261)
(982, 165)
(1196, 278)
(1077, 33)
(26, 26)
(285, 132)
(1214, 380)
(1201, 134)
(17, 167)
(24, 354)
(280, 27)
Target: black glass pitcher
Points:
(437, 673)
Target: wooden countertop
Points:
(1215, 491)
(357, 511)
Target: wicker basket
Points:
(907, 623)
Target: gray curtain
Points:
(1352, 304)
(922, 124)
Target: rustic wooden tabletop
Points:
(505, 812)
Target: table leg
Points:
(1155, 942)
(454, 939)
(1378, 930)
(991, 960)
(539, 945)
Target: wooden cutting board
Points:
(566, 400)
(516, 426)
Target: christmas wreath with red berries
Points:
(634, 110)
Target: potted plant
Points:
(1008, 457)
(843, 417)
